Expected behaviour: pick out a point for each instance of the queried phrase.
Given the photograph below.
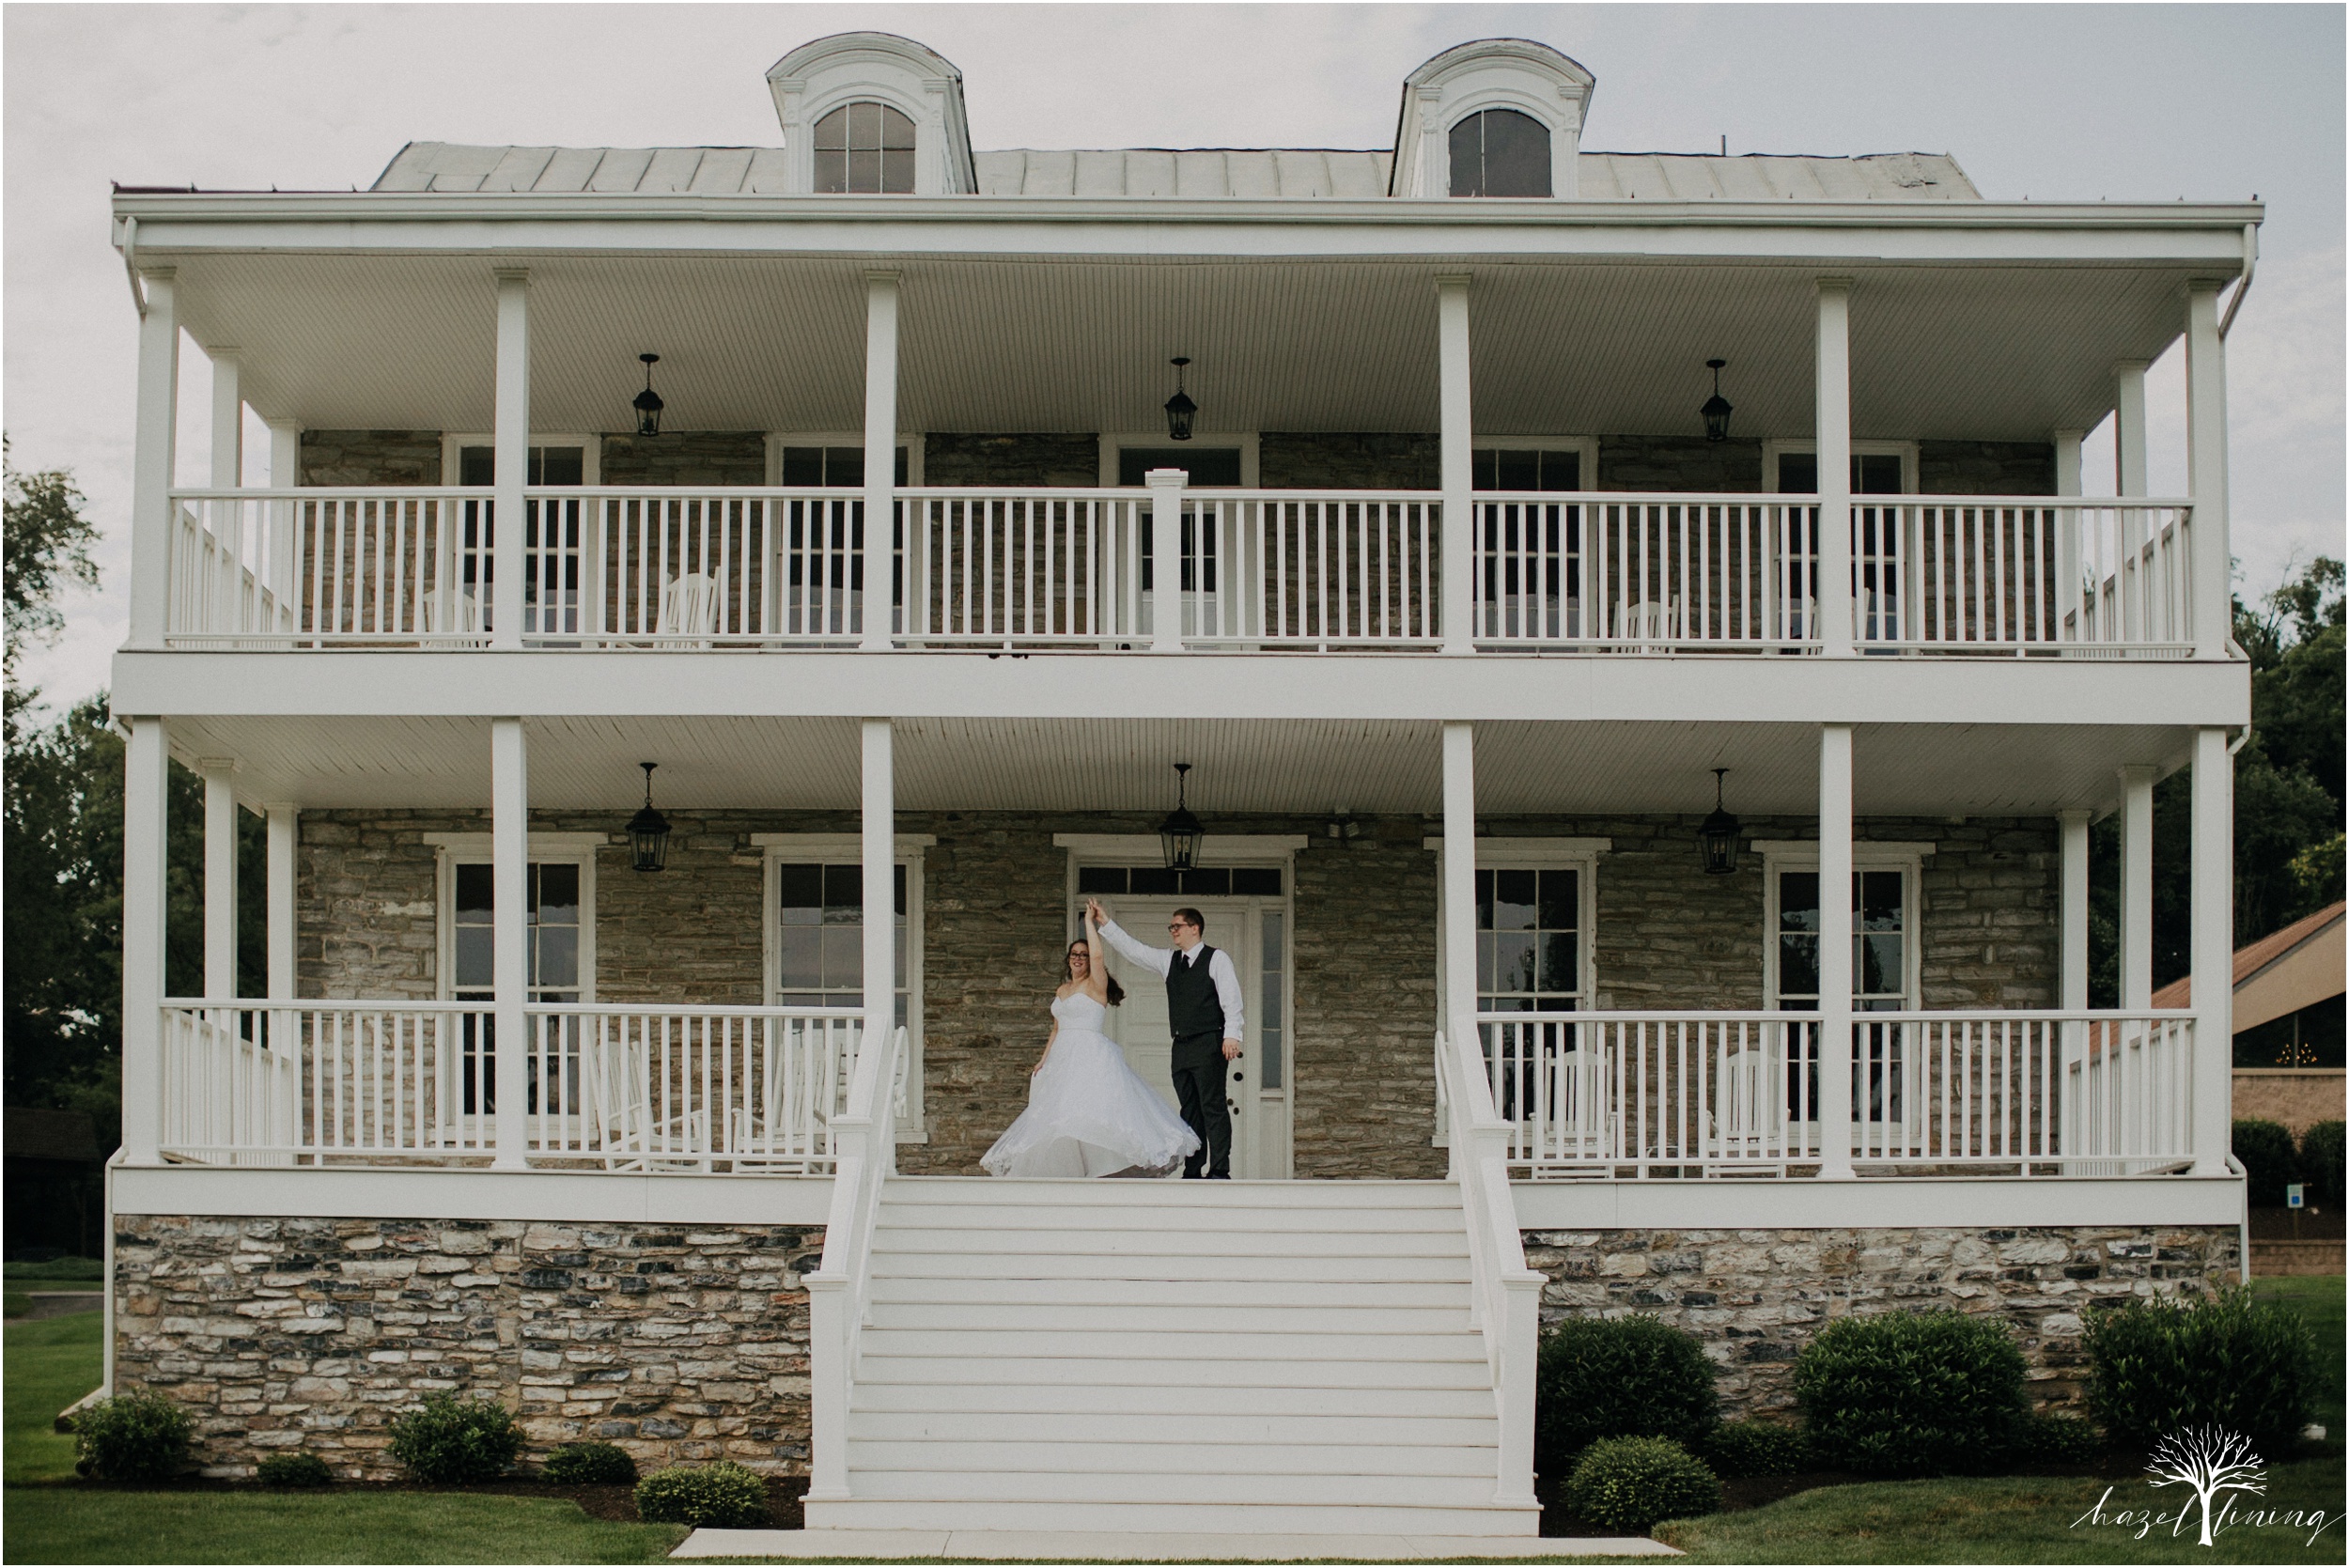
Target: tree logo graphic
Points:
(2211, 1462)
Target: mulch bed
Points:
(616, 1503)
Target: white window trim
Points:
(1904, 855)
(1532, 854)
(779, 849)
(1585, 446)
(453, 444)
(456, 850)
(1906, 450)
(778, 440)
(1115, 442)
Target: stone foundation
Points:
(1755, 1297)
(314, 1334)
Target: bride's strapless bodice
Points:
(1079, 1011)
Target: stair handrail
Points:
(839, 1291)
(1505, 1300)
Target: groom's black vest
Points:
(1192, 1009)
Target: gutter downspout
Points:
(2250, 266)
(130, 262)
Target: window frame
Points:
(452, 850)
(1113, 442)
(778, 440)
(1905, 856)
(1510, 104)
(842, 104)
(453, 444)
(1584, 447)
(907, 850)
(1775, 448)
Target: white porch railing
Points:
(1589, 572)
(1609, 1095)
(617, 1088)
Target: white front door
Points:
(1260, 1141)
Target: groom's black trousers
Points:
(1199, 1074)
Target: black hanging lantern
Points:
(649, 830)
(1717, 408)
(1718, 834)
(1180, 833)
(648, 403)
(1180, 410)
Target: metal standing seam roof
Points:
(1239, 173)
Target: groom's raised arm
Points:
(1156, 959)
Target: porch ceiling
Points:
(1121, 764)
(1561, 346)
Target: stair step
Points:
(1196, 1345)
(1178, 1372)
(1186, 1294)
(1401, 1432)
(1202, 1518)
(1216, 1195)
(1186, 1398)
(1142, 1317)
(1146, 1460)
(1169, 1217)
(1180, 1266)
(1118, 1241)
(1039, 1486)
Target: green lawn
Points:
(62, 1524)
(50, 1365)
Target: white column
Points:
(2137, 886)
(1835, 948)
(285, 845)
(1832, 386)
(510, 551)
(2212, 948)
(153, 462)
(2067, 569)
(1459, 464)
(2128, 427)
(2072, 914)
(145, 805)
(2206, 469)
(285, 558)
(219, 876)
(509, 916)
(1459, 890)
(228, 420)
(1166, 558)
(880, 454)
(2067, 460)
(880, 886)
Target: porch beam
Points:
(1835, 942)
(1457, 463)
(2206, 469)
(1832, 588)
(146, 806)
(1459, 882)
(2212, 950)
(510, 449)
(880, 456)
(2137, 886)
(509, 932)
(154, 463)
(880, 827)
(219, 876)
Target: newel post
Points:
(1166, 558)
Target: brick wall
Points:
(1755, 1297)
(686, 458)
(675, 1343)
(370, 457)
(1042, 459)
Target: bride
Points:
(1088, 1114)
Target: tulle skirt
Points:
(1090, 1115)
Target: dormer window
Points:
(1500, 153)
(865, 148)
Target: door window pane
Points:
(1272, 1028)
(1500, 153)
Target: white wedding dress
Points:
(1088, 1114)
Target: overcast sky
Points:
(2204, 102)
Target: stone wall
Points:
(1756, 1297)
(1041, 459)
(1678, 463)
(1376, 460)
(370, 457)
(686, 458)
(676, 1343)
(1985, 468)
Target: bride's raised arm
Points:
(1096, 984)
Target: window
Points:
(1872, 474)
(816, 466)
(1883, 965)
(553, 532)
(1529, 926)
(1513, 468)
(1239, 881)
(1500, 153)
(559, 929)
(1272, 1020)
(864, 149)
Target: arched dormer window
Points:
(865, 148)
(1500, 153)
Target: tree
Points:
(2209, 1461)
(44, 544)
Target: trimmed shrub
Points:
(1629, 1483)
(1619, 1378)
(2159, 1367)
(2052, 1437)
(589, 1465)
(2269, 1160)
(294, 1469)
(450, 1441)
(1911, 1393)
(133, 1436)
(1755, 1448)
(2320, 1163)
(724, 1496)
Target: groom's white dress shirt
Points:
(1162, 959)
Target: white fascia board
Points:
(582, 1197)
(1763, 1203)
(1494, 687)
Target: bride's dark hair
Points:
(1117, 992)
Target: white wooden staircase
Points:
(1195, 1358)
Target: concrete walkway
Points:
(1083, 1545)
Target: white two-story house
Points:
(1646, 671)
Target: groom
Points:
(1203, 1012)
